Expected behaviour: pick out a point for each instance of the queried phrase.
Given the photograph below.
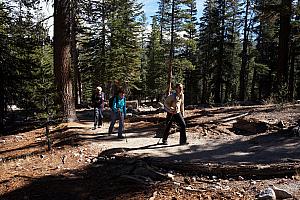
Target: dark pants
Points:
(180, 121)
(114, 117)
(98, 116)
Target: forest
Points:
(239, 63)
(236, 51)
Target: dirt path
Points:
(79, 156)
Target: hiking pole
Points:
(169, 122)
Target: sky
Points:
(151, 6)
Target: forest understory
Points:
(234, 153)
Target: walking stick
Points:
(169, 122)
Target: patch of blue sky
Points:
(151, 7)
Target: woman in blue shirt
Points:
(118, 112)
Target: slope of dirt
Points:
(89, 164)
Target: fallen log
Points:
(230, 170)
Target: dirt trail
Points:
(79, 155)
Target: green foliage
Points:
(114, 44)
(110, 47)
(28, 81)
(156, 71)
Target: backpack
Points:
(111, 101)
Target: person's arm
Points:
(114, 107)
(124, 107)
(102, 105)
(182, 105)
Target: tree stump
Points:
(250, 125)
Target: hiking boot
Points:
(164, 142)
(121, 137)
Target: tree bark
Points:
(171, 55)
(242, 91)
(283, 54)
(2, 101)
(291, 87)
(220, 60)
(62, 59)
(74, 54)
(162, 18)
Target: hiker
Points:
(118, 112)
(98, 103)
(174, 105)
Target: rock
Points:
(280, 193)
(170, 176)
(194, 179)
(267, 194)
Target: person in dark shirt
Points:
(98, 103)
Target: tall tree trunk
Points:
(74, 53)
(162, 18)
(292, 74)
(283, 54)
(220, 59)
(62, 59)
(2, 97)
(205, 95)
(171, 55)
(253, 94)
(103, 37)
(242, 91)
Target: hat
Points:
(99, 88)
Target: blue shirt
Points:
(119, 103)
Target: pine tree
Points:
(207, 48)
(62, 62)
(156, 70)
(189, 27)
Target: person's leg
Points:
(180, 121)
(112, 123)
(100, 117)
(121, 125)
(96, 116)
(169, 121)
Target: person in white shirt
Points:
(174, 105)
